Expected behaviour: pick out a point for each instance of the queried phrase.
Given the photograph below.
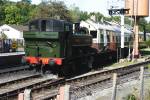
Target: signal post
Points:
(120, 12)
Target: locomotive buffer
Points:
(120, 12)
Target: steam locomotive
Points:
(58, 46)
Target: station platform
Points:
(8, 59)
(11, 54)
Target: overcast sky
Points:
(90, 5)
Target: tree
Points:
(24, 10)
(59, 9)
(147, 43)
(142, 24)
(75, 13)
(12, 14)
(148, 27)
(17, 13)
(116, 18)
(98, 15)
(52, 9)
(84, 15)
(2, 12)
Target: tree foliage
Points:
(51, 9)
(12, 14)
(2, 8)
(84, 15)
(131, 97)
(22, 11)
(75, 13)
(97, 15)
(147, 43)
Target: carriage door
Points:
(105, 37)
(94, 38)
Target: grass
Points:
(122, 64)
(145, 51)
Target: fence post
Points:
(141, 83)
(27, 94)
(64, 93)
(21, 96)
(114, 86)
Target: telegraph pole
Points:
(122, 36)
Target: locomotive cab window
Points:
(34, 25)
(94, 34)
(45, 25)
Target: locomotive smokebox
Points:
(138, 8)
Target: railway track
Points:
(13, 69)
(16, 73)
(48, 88)
(84, 82)
(11, 89)
(14, 80)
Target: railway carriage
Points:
(106, 39)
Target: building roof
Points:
(13, 31)
(19, 27)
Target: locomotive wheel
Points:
(32, 67)
(90, 63)
(37, 68)
(64, 71)
(68, 70)
(73, 69)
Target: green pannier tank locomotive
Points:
(54, 45)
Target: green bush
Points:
(147, 43)
(131, 97)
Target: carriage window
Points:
(34, 26)
(113, 38)
(117, 39)
(94, 34)
(126, 39)
(108, 38)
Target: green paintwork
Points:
(44, 50)
(46, 35)
(46, 44)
